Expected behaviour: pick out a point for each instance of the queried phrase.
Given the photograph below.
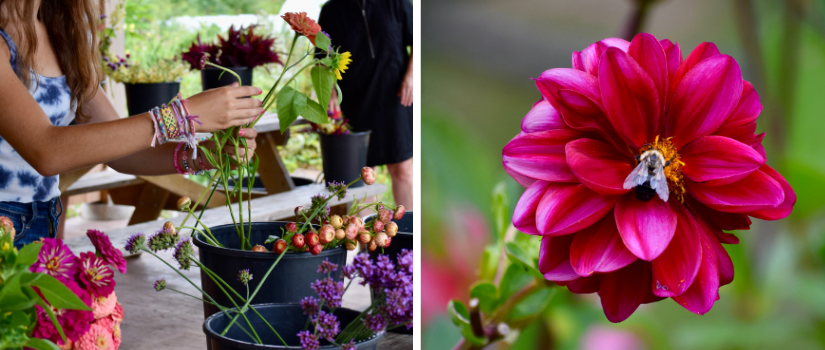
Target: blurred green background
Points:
(477, 58)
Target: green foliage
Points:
(323, 79)
(290, 105)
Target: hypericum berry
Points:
(385, 215)
(351, 245)
(291, 227)
(381, 239)
(312, 239)
(391, 229)
(326, 234)
(340, 234)
(170, 227)
(372, 246)
(351, 231)
(336, 221)
(344, 220)
(298, 241)
(399, 212)
(184, 203)
(389, 240)
(259, 249)
(364, 237)
(316, 249)
(378, 226)
(368, 175)
(279, 246)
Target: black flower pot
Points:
(287, 319)
(211, 77)
(402, 240)
(140, 98)
(343, 156)
(289, 282)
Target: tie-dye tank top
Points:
(19, 182)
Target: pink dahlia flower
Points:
(96, 275)
(635, 161)
(56, 259)
(104, 248)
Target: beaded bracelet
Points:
(175, 159)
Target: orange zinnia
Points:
(302, 24)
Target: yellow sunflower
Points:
(340, 63)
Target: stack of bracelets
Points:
(173, 123)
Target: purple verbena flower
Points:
(135, 242)
(349, 346)
(309, 341)
(329, 291)
(327, 267)
(160, 284)
(327, 326)
(310, 307)
(183, 253)
(244, 276)
(375, 322)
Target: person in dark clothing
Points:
(377, 88)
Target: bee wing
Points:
(659, 183)
(636, 177)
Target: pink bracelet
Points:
(175, 159)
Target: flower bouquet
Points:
(50, 296)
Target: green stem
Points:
(272, 100)
(226, 70)
(258, 288)
(214, 178)
(191, 296)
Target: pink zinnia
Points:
(99, 337)
(635, 161)
(56, 260)
(104, 306)
(105, 249)
(96, 275)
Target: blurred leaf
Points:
(532, 305)
(487, 295)
(514, 279)
(490, 261)
(458, 313)
(28, 254)
(58, 295)
(322, 41)
(41, 344)
(518, 257)
(808, 184)
(315, 113)
(500, 209)
(11, 294)
(323, 80)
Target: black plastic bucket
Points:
(287, 319)
(211, 77)
(140, 98)
(402, 240)
(344, 156)
(289, 282)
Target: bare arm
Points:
(52, 150)
(406, 90)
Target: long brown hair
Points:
(71, 26)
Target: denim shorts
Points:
(34, 220)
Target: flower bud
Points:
(259, 249)
(358, 222)
(368, 175)
(372, 246)
(298, 210)
(351, 245)
(312, 239)
(381, 239)
(336, 221)
(291, 227)
(169, 227)
(385, 216)
(298, 241)
(352, 231)
(391, 228)
(378, 226)
(344, 220)
(279, 246)
(316, 249)
(389, 240)
(7, 226)
(364, 237)
(326, 234)
(340, 234)
(399, 212)
(184, 203)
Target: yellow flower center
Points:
(673, 169)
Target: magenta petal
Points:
(673, 55)
(704, 99)
(542, 117)
(554, 258)
(524, 217)
(588, 59)
(746, 111)
(675, 269)
(599, 248)
(585, 285)
(624, 290)
(567, 208)
(718, 160)
(722, 220)
(757, 191)
(745, 133)
(783, 209)
(701, 295)
(630, 98)
(553, 80)
(646, 227)
(724, 263)
(598, 165)
(700, 53)
(540, 155)
(649, 54)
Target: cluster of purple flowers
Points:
(135, 242)
(335, 186)
(309, 341)
(327, 267)
(393, 284)
(310, 307)
(331, 292)
(183, 253)
(327, 325)
(317, 201)
(162, 240)
(244, 276)
(160, 284)
(117, 62)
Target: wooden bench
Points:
(269, 208)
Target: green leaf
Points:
(500, 208)
(518, 257)
(291, 104)
(28, 254)
(271, 238)
(323, 81)
(340, 94)
(58, 294)
(467, 332)
(458, 313)
(514, 279)
(52, 317)
(315, 113)
(490, 262)
(322, 41)
(487, 295)
(12, 296)
(41, 344)
(532, 305)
